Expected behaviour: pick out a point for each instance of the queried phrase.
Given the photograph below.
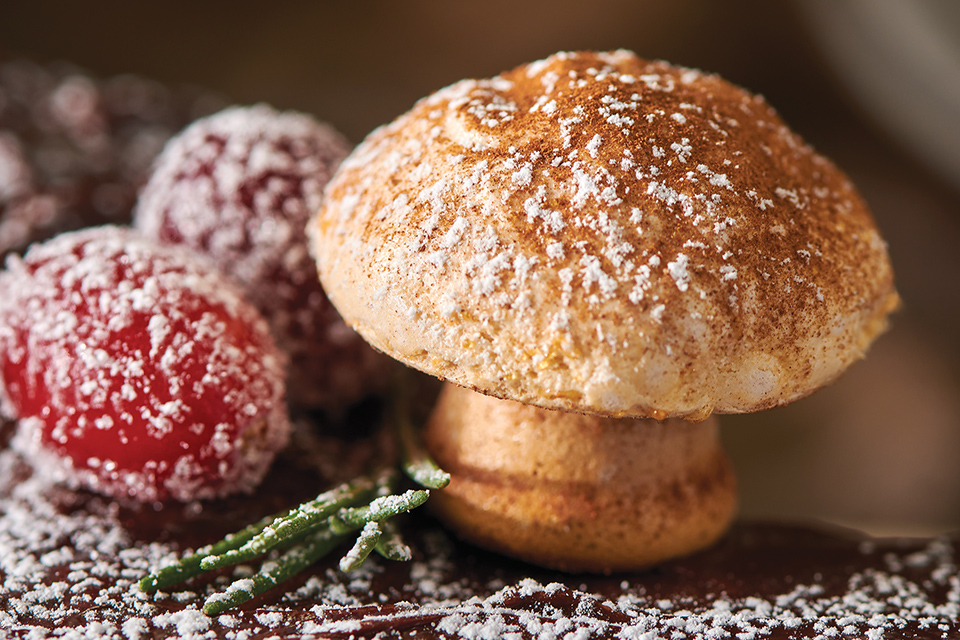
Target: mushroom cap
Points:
(598, 233)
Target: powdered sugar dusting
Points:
(641, 193)
(138, 370)
(69, 566)
(239, 187)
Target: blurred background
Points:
(873, 84)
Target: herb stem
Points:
(416, 462)
(308, 516)
(272, 573)
(365, 544)
(190, 566)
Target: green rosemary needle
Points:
(307, 516)
(190, 566)
(416, 462)
(365, 544)
(380, 509)
(272, 573)
(391, 545)
(423, 470)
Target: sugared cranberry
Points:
(137, 369)
(75, 149)
(240, 187)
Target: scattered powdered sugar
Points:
(678, 271)
(656, 201)
(69, 567)
(875, 606)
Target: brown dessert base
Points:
(69, 563)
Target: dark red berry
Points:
(75, 149)
(240, 187)
(138, 369)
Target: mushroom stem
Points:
(578, 492)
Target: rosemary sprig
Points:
(306, 517)
(365, 544)
(295, 560)
(189, 566)
(306, 533)
(416, 462)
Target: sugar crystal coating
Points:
(595, 232)
(138, 370)
(240, 186)
(74, 149)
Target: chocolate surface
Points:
(69, 563)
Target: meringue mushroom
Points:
(616, 249)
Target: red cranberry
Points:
(240, 187)
(138, 369)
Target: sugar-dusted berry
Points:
(137, 369)
(75, 149)
(240, 186)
